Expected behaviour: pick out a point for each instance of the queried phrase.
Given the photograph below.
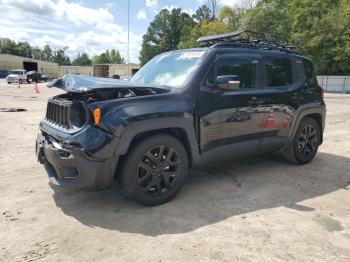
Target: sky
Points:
(86, 26)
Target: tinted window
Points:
(310, 73)
(279, 71)
(244, 68)
(300, 74)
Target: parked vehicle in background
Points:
(17, 76)
(115, 76)
(33, 76)
(180, 110)
(46, 78)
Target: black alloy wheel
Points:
(307, 141)
(304, 145)
(158, 170)
(155, 170)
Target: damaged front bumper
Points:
(71, 166)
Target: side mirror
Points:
(228, 82)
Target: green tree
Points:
(108, 57)
(47, 53)
(61, 58)
(271, 16)
(82, 60)
(164, 32)
(202, 14)
(228, 20)
(116, 58)
(321, 29)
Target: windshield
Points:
(16, 72)
(171, 70)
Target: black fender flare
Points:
(305, 111)
(185, 124)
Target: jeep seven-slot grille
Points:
(57, 113)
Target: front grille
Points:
(58, 113)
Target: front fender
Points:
(185, 123)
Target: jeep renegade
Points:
(229, 98)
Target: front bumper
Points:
(70, 166)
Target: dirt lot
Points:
(259, 209)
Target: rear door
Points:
(285, 83)
(230, 118)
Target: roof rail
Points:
(247, 39)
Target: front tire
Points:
(304, 145)
(155, 170)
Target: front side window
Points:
(245, 69)
(279, 71)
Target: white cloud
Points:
(141, 15)
(230, 3)
(74, 12)
(71, 25)
(151, 3)
(171, 7)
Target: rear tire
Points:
(155, 170)
(303, 148)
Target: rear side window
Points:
(246, 69)
(300, 74)
(279, 71)
(310, 73)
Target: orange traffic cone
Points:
(36, 88)
(270, 120)
(285, 121)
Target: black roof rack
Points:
(248, 39)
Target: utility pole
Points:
(128, 38)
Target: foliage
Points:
(107, 57)
(164, 32)
(273, 16)
(82, 60)
(202, 14)
(59, 56)
(228, 20)
(319, 28)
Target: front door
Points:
(232, 119)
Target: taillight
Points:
(322, 92)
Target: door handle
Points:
(255, 101)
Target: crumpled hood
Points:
(79, 83)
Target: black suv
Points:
(33, 76)
(183, 108)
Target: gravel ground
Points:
(258, 209)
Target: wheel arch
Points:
(178, 127)
(318, 118)
(318, 113)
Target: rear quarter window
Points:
(279, 71)
(310, 73)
